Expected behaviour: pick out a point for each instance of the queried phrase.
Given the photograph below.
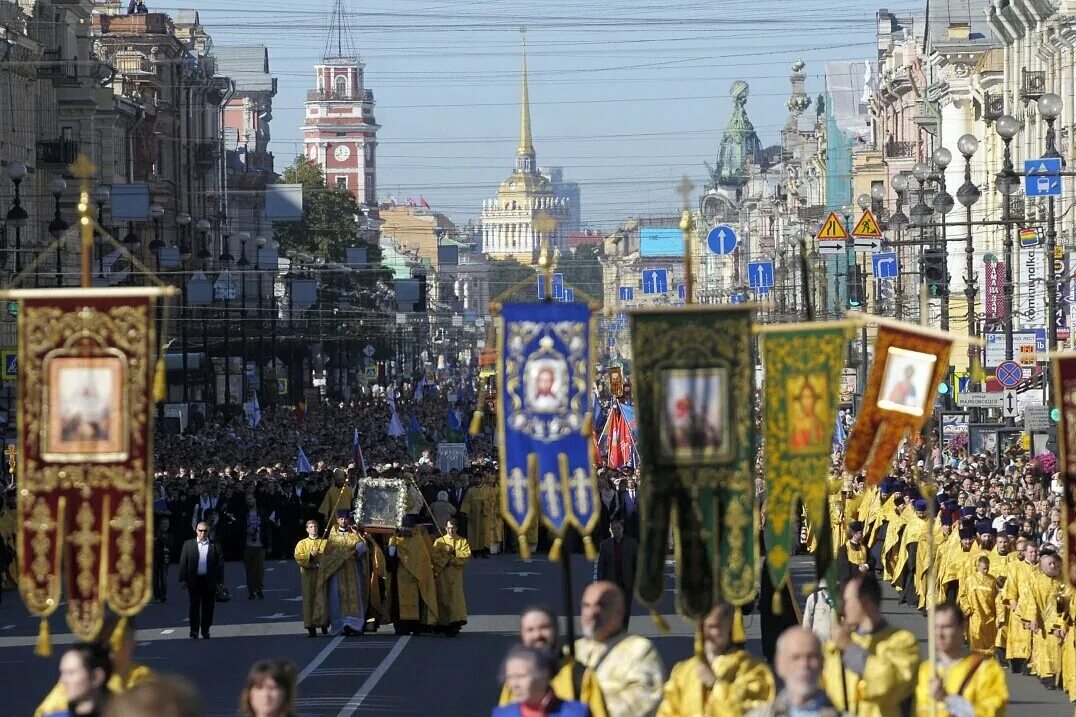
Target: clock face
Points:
(341, 153)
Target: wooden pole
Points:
(687, 226)
(83, 170)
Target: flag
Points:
(422, 201)
(420, 389)
(416, 439)
(839, 434)
(597, 409)
(620, 444)
(694, 375)
(909, 363)
(303, 464)
(357, 451)
(802, 364)
(255, 411)
(454, 425)
(396, 428)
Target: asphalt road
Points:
(377, 673)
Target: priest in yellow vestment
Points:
(308, 552)
(978, 601)
(1022, 607)
(413, 586)
(723, 681)
(959, 683)
(340, 600)
(338, 497)
(450, 553)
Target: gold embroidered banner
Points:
(693, 382)
(1064, 370)
(87, 364)
(802, 365)
(909, 363)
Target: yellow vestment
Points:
(888, 677)
(339, 561)
(986, 690)
(449, 557)
(305, 550)
(743, 683)
(416, 587)
(629, 673)
(56, 700)
(978, 600)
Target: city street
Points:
(377, 673)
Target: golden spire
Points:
(526, 146)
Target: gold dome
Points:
(519, 183)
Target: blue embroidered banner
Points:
(544, 418)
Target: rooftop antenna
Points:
(339, 34)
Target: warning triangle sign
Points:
(867, 226)
(832, 228)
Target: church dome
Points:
(740, 144)
(519, 183)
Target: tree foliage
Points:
(583, 271)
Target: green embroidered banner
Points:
(693, 387)
(802, 365)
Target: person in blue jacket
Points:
(526, 672)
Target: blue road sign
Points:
(885, 265)
(541, 287)
(736, 299)
(1009, 374)
(569, 294)
(655, 281)
(722, 239)
(612, 341)
(558, 287)
(627, 293)
(1042, 177)
(760, 274)
(681, 292)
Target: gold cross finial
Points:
(83, 168)
(684, 189)
(545, 225)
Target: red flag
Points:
(598, 460)
(620, 443)
(423, 202)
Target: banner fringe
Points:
(554, 550)
(591, 550)
(476, 423)
(659, 622)
(44, 640)
(524, 546)
(739, 635)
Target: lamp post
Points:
(17, 215)
(898, 222)
(101, 194)
(202, 226)
(1050, 106)
(242, 265)
(943, 204)
(968, 194)
(225, 259)
(1007, 126)
(156, 212)
(259, 243)
(183, 219)
(58, 227)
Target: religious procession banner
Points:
(802, 364)
(544, 419)
(909, 363)
(1064, 369)
(693, 376)
(89, 369)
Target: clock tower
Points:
(339, 131)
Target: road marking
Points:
(371, 682)
(169, 631)
(320, 658)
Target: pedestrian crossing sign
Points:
(832, 228)
(867, 226)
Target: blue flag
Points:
(303, 463)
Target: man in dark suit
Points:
(617, 558)
(200, 563)
(628, 508)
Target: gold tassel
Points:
(739, 635)
(588, 426)
(118, 635)
(476, 423)
(588, 547)
(524, 547)
(159, 387)
(776, 603)
(554, 550)
(700, 647)
(659, 622)
(44, 641)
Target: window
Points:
(341, 84)
(341, 182)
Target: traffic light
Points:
(857, 292)
(936, 271)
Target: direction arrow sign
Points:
(830, 246)
(832, 228)
(867, 226)
(760, 274)
(1042, 177)
(627, 293)
(722, 239)
(866, 244)
(980, 400)
(1009, 403)
(655, 281)
(885, 265)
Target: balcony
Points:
(53, 67)
(330, 95)
(1032, 84)
(57, 151)
(993, 105)
(899, 150)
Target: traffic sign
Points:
(867, 226)
(885, 265)
(1037, 419)
(980, 400)
(830, 247)
(1042, 177)
(558, 287)
(627, 293)
(655, 281)
(832, 228)
(760, 274)
(1009, 404)
(1009, 374)
(866, 244)
(736, 299)
(11, 364)
(681, 292)
(569, 294)
(722, 239)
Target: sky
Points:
(628, 96)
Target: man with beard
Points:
(799, 665)
(724, 679)
(538, 629)
(1042, 613)
(1000, 567)
(628, 667)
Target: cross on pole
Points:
(687, 226)
(545, 225)
(517, 486)
(84, 170)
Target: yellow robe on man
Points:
(56, 700)
(629, 672)
(1045, 648)
(925, 558)
(1017, 594)
(1001, 567)
(449, 557)
(914, 529)
(375, 605)
(888, 678)
(978, 600)
(492, 496)
(743, 683)
(308, 575)
(416, 587)
(1068, 644)
(563, 684)
(474, 505)
(339, 560)
(986, 690)
(891, 547)
(333, 502)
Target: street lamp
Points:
(968, 194)
(242, 265)
(259, 243)
(17, 216)
(1007, 126)
(100, 196)
(1050, 107)
(58, 227)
